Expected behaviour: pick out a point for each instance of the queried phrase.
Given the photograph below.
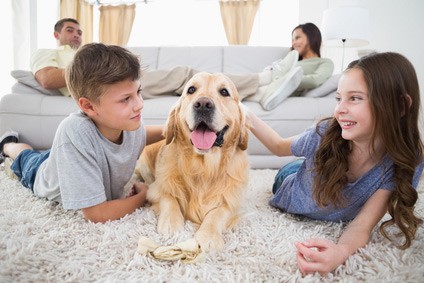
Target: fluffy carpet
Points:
(41, 242)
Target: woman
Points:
(307, 71)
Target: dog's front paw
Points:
(209, 241)
(170, 224)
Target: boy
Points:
(94, 151)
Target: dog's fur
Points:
(206, 184)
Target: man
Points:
(48, 65)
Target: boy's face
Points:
(119, 110)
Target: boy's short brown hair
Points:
(96, 65)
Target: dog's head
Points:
(208, 115)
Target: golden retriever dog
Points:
(200, 170)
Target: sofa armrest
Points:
(26, 83)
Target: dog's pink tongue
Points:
(203, 139)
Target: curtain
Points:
(83, 13)
(116, 24)
(238, 17)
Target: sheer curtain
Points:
(83, 13)
(238, 17)
(116, 24)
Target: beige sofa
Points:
(35, 112)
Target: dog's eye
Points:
(191, 90)
(224, 92)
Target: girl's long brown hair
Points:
(390, 78)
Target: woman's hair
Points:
(390, 79)
(96, 66)
(314, 37)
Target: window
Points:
(198, 22)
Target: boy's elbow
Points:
(94, 214)
(92, 218)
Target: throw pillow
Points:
(329, 86)
(28, 79)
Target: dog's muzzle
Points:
(204, 136)
(220, 137)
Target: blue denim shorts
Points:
(285, 171)
(25, 166)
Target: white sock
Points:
(265, 77)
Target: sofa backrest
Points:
(232, 59)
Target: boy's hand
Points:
(137, 188)
(319, 255)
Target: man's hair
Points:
(59, 25)
(97, 66)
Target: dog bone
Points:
(188, 251)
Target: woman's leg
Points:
(165, 82)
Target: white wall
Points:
(6, 54)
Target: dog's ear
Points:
(171, 126)
(244, 128)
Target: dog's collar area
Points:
(220, 137)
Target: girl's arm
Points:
(268, 137)
(154, 134)
(323, 256)
(117, 208)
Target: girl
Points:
(364, 161)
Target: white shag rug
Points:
(41, 242)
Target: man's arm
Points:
(51, 77)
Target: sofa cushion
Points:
(328, 87)
(201, 58)
(242, 59)
(29, 84)
(148, 56)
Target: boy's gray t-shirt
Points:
(84, 168)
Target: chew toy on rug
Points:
(188, 251)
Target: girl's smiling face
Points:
(353, 111)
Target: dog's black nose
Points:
(204, 104)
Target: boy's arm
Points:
(116, 209)
(268, 137)
(327, 256)
(154, 133)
